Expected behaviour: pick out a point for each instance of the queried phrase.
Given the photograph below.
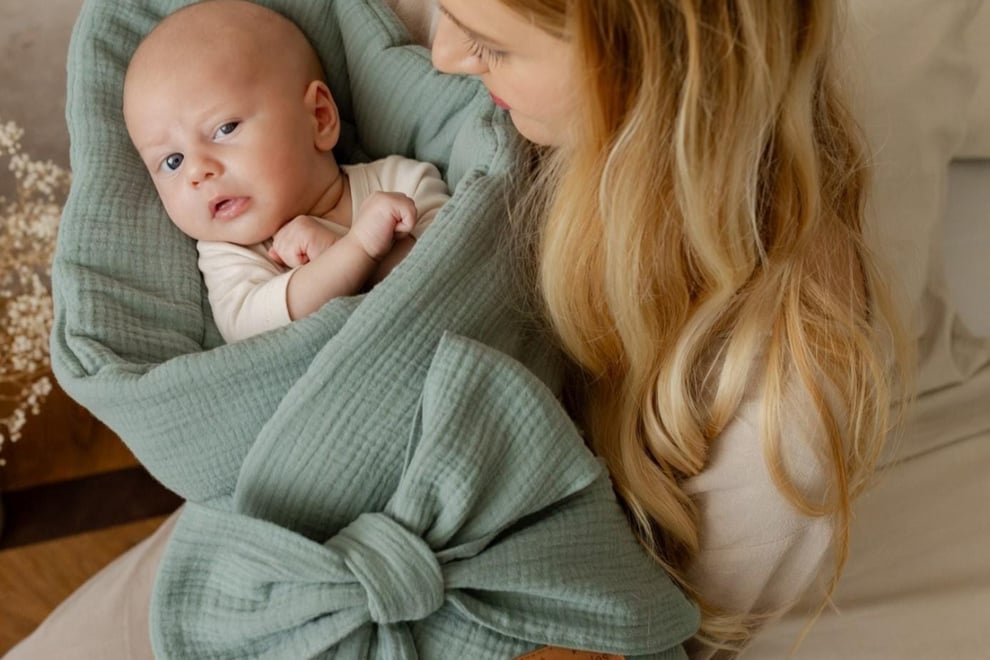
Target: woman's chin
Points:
(537, 132)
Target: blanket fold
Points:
(485, 528)
(390, 477)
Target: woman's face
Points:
(529, 72)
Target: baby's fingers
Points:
(288, 255)
(274, 255)
(406, 218)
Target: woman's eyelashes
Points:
(486, 54)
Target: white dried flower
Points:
(28, 225)
(10, 137)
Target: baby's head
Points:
(226, 104)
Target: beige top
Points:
(759, 553)
(247, 289)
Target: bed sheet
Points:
(917, 584)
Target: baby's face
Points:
(231, 153)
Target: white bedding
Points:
(917, 585)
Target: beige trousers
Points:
(107, 617)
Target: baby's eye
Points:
(172, 162)
(226, 129)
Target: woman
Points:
(701, 258)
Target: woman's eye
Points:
(489, 56)
(172, 162)
(226, 129)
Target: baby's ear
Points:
(319, 103)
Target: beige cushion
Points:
(914, 79)
(913, 82)
(976, 144)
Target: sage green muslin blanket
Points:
(391, 477)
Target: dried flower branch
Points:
(28, 224)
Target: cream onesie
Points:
(247, 289)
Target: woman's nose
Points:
(450, 52)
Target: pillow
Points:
(913, 80)
(976, 144)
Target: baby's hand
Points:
(299, 241)
(382, 217)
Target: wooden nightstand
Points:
(70, 474)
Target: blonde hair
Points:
(721, 247)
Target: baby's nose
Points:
(203, 169)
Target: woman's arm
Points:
(759, 553)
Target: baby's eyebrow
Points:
(149, 141)
(152, 152)
(150, 155)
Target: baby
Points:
(227, 106)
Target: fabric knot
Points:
(397, 569)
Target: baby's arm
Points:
(247, 291)
(343, 268)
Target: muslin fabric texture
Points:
(391, 477)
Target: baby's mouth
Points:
(227, 208)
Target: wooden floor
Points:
(73, 499)
(35, 578)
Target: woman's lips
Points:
(499, 102)
(228, 208)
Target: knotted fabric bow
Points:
(504, 527)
